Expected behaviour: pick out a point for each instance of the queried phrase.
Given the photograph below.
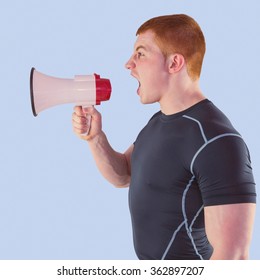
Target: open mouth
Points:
(139, 83)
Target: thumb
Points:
(88, 109)
(92, 112)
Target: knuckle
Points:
(82, 120)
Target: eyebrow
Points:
(140, 47)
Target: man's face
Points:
(148, 66)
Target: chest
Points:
(162, 156)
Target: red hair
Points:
(179, 34)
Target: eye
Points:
(140, 54)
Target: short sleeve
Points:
(223, 172)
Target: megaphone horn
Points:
(83, 90)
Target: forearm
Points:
(112, 165)
(231, 255)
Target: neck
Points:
(180, 96)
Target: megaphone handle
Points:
(88, 119)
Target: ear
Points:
(175, 62)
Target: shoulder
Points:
(209, 120)
(155, 116)
(223, 170)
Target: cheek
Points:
(152, 90)
(155, 80)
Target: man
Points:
(191, 189)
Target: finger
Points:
(79, 132)
(81, 127)
(81, 122)
(79, 119)
(79, 111)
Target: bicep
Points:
(229, 229)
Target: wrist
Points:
(94, 139)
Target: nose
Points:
(130, 64)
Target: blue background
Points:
(54, 204)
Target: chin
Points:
(146, 99)
(143, 101)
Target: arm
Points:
(229, 230)
(114, 166)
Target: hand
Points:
(82, 125)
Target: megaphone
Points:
(83, 90)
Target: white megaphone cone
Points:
(83, 90)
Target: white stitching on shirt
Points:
(208, 142)
(188, 229)
(200, 126)
(172, 239)
(195, 217)
(185, 221)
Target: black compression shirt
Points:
(180, 164)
